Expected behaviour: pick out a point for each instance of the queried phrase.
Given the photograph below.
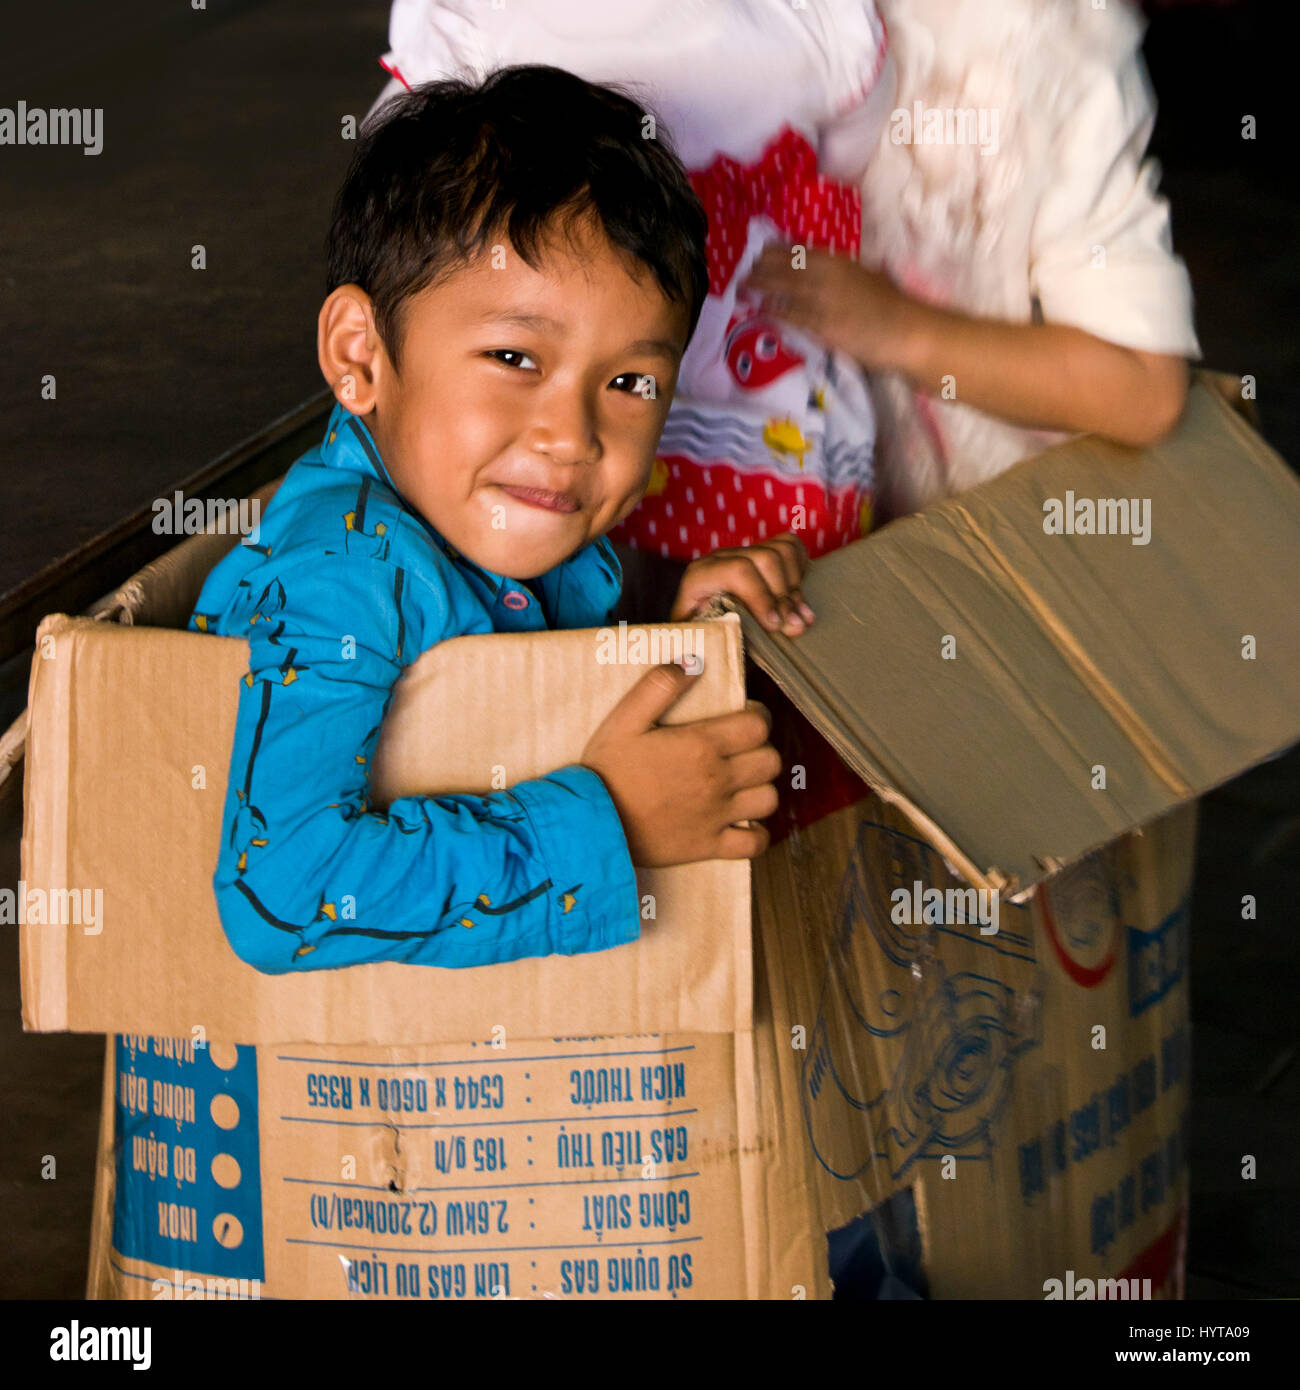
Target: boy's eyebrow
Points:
(542, 323)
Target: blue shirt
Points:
(345, 588)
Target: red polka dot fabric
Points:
(712, 506)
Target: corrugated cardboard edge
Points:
(164, 592)
(45, 822)
(1228, 388)
(743, 1061)
(13, 746)
(743, 1010)
(782, 1250)
(744, 1058)
(164, 588)
(98, 1283)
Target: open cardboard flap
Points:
(985, 676)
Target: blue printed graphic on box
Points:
(189, 1182)
(1156, 959)
(1101, 1122)
(958, 1035)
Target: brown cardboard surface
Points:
(123, 717)
(1070, 652)
(990, 1051)
(886, 1049)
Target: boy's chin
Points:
(520, 559)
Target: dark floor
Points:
(1236, 222)
(222, 128)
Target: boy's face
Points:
(521, 425)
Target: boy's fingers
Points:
(790, 566)
(739, 732)
(651, 697)
(770, 565)
(751, 585)
(754, 767)
(788, 552)
(770, 568)
(794, 556)
(801, 606)
(742, 842)
(802, 558)
(760, 709)
(794, 563)
(754, 803)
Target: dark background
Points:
(223, 127)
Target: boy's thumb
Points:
(655, 694)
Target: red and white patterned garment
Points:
(768, 431)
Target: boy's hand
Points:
(683, 791)
(764, 577)
(840, 302)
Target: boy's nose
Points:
(565, 430)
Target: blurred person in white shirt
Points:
(1017, 282)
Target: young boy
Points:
(515, 273)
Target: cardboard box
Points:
(687, 1116)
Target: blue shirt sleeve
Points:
(311, 877)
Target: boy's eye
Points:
(501, 354)
(639, 383)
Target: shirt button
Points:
(512, 598)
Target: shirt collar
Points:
(349, 444)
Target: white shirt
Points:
(1060, 220)
(723, 75)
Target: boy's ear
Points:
(349, 349)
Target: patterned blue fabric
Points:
(345, 586)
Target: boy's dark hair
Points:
(445, 168)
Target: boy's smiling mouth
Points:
(544, 499)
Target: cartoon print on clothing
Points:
(768, 431)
